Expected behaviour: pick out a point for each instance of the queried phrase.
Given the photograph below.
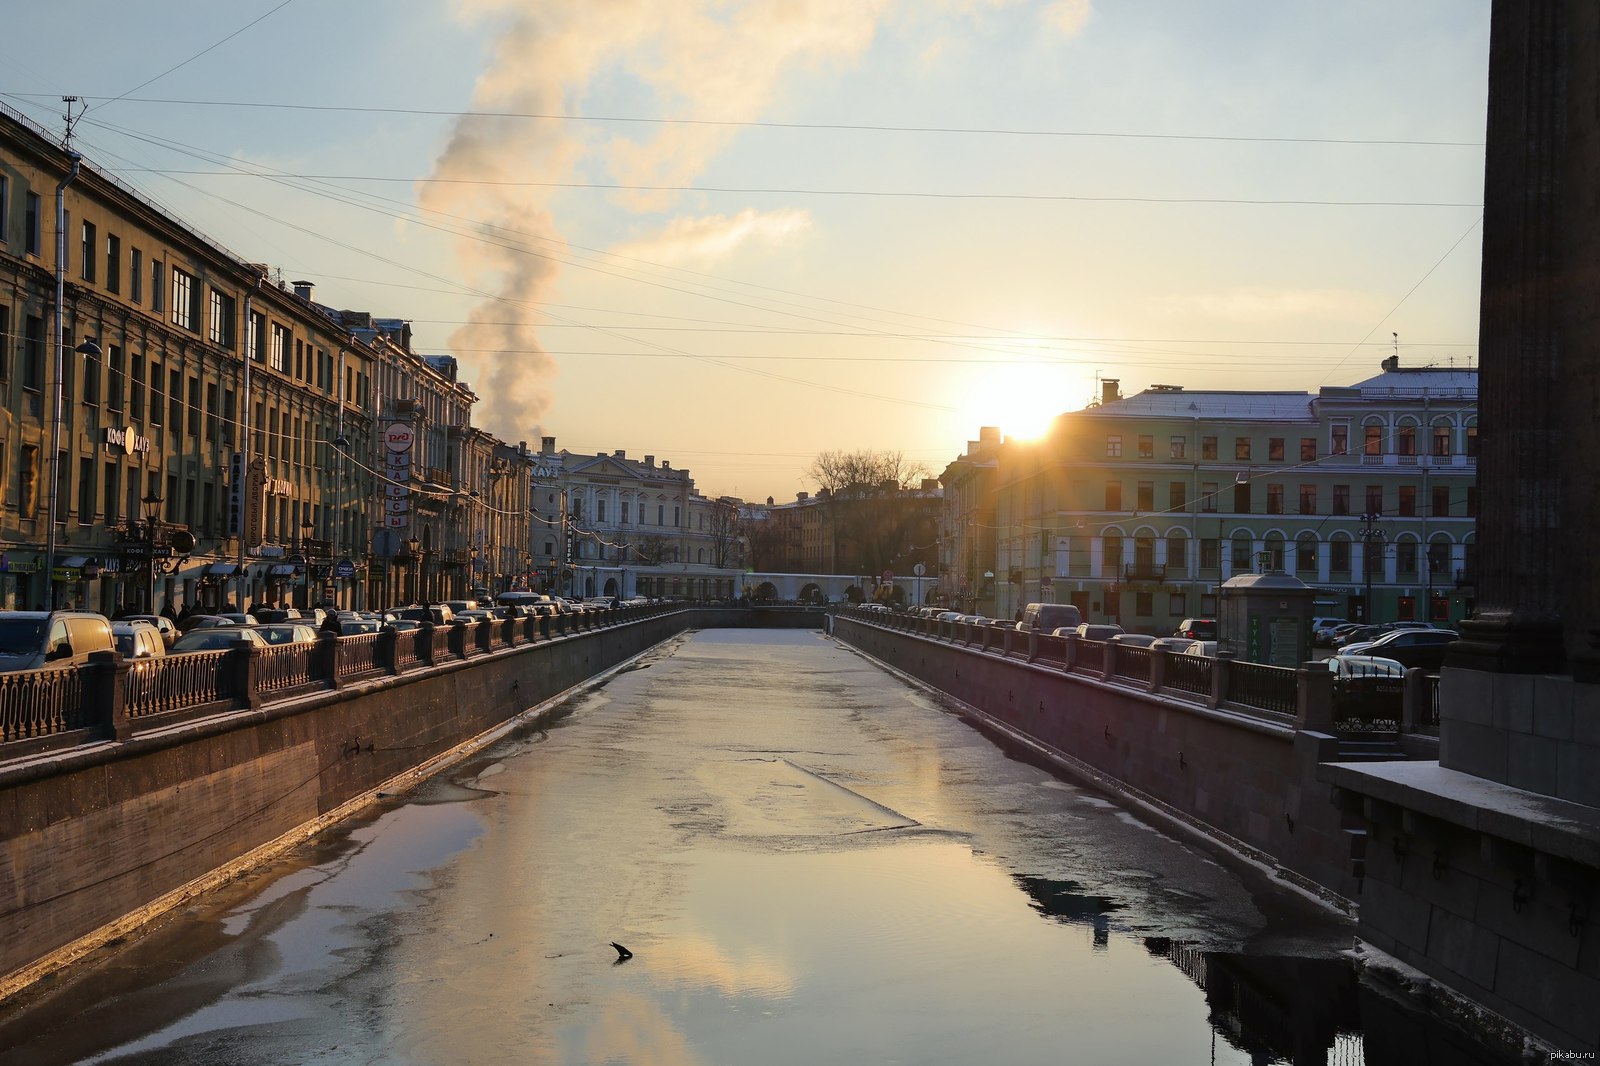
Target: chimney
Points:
(650, 461)
(989, 434)
(769, 501)
(304, 289)
(801, 497)
(1391, 364)
(1109, 391)
(620, 453)
(665, 465)
(930, 484)
(547, 445)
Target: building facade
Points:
(1137, 508)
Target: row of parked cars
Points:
(34, 639)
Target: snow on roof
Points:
(1231, 406)
(1407, 382)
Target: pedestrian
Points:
(183, 615)
(331, 624)
(169, 614)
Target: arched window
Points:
(1406, 438)
(1305, 553)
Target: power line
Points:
(831, 127)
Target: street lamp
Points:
(415, 547)
(307, 527)
(1370, 533)
(154, 537)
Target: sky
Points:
(734, 234)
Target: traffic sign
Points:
(888, 575)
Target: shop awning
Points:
(73, 562)
(222, 569)
(282, 570)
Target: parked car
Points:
(1410, 647)
(138, 640)
(216, 638)
(1176, 645)
(1133, 640)
(1049, 617)
(1357, 635)
(438, 613)
(33, 639)
(1097, 631)
(203, 621)
(461, 606)
(286, 632)
(1367, 689)
(1197, 629)
(403, 625)
(1208, 648)
(1322, 630)
(472, 614)
(163, 624)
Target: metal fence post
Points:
(106, 674)
(386, 650)
(327, 659)
(425, 644)
(241, 663)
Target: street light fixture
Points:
(415, 547)
(307, 527)
(154, 537)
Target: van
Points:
(32, 639)
(1049, 617)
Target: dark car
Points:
(1197, 629)
(1413, 647)
(217, 638)
(1367, 692)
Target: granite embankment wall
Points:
(1242, 777)
(96, 838)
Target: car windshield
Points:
(21, 636)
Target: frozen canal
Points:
(811, 862)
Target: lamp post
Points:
(88, 349)
(1370, 533)
(307, 527)
(415, 547)
(154, 538)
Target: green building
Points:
(1136, 508)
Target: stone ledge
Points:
(1552, 826)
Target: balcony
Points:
(1144, 571)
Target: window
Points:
(624, 512)
(91, 381)
(1210, 554)
(158, 284)
(1339, 556)
(1339, 440)
(211, 411)
(90, 251)
(1143, 604)
(156, 397)
(1147, 496)
(1274, 499)
(1405, 557)
(227, 417)
(1208, 447)
(1406, 442)
(195, 412)
(113, 262)
(33, 352)
(1176, 447)
(600, 510)
(28, 481)
(677, 519)
(32, 219)
(87, 483)
(1341, 499)
(5, 210)
(1407, 504)
(1241, 498)
(5, 330)
(1308, 449)
(278, 353)
(1114, 446)
(1177, 496)
(1472, 442)
(1441, 501)
(256, 341)
(183, 297)
(135, 275)
(1472, 501)
(1374, 444)
(1241, 448)
(1374, 499)
(136, 391)
(113, 492)
(1111, 555)
(1113, 495)
(1308, 499)
(1305, 554)
(661, 515)
(63, 475)
(175, 400)
(1441, 442)
(1239, 550)
(1275, 449)
(220, 328)
(1147, 446)
(1208, 497)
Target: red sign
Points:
(888, 575)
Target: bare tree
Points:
(864, 472)
(725, 532)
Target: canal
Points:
(810, 862)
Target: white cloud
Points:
(714, 237)
(1068, 16)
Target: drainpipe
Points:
(60, 363)
(244, 440)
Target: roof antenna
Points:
(66, 140)
(1396, 337)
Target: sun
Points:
(1022, 399)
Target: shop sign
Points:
(124, 439)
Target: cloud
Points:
(698, 59)
(714, 237)
(1256, 304)
(1068, 17)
